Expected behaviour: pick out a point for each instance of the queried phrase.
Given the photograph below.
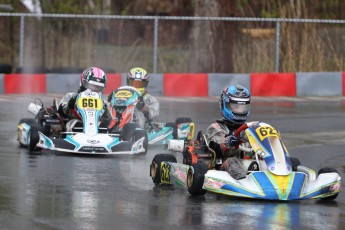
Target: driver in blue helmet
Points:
(234, 106)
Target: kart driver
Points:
(234, 105)
(93, 79)
(148, 106)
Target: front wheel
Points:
(128, 131)
(21, 132)
(33, 137)
(328, 170)
(295, 162)
(195, 179)
(155, 167)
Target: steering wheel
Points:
(240, 129)
(237, 133)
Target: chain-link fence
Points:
(55, 43)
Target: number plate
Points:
(267, 131)
(90, 103)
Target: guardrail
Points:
(188, 84)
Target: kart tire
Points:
(328, 170)
(174, 126)
(294, 163)
(128, 131)
(195, 180)
(139, 133)
(155, 167)
(33, 137)
(29, 121)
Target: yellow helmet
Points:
(138, 78)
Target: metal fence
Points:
(171, 44)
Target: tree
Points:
(212, 40)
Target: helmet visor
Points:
(95, 86)
(238, 108)
(137, 84)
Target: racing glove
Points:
(230, 142)
(140, 104)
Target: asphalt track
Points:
(55, 191)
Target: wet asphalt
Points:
(61, 191)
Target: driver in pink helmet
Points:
(94, 79)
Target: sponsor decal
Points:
(213, 184)
(123, 94)
(165, 173)
(180, 174)
(92, 149)
(335, 187)
(93, 142)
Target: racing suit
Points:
(216, 134)
(147, 109)
(66, 110)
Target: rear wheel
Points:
(138, 134)
(155, 167)
(128, 131)
(294, 163)
(195, 179)
(328, 170)
(174, 127)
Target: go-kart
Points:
(271, 173)
(46, 120)
(162, 132)
(123, 104)
(88, 136)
